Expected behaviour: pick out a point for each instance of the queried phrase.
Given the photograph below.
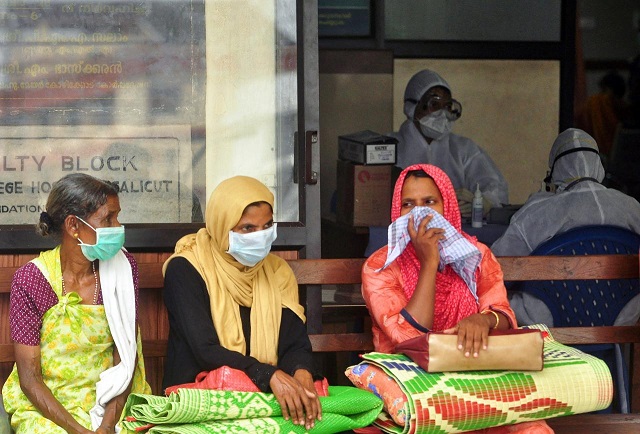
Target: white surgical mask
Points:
(251, 248)
(435, 125)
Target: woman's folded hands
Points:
(297, 397)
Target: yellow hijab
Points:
(266, 287)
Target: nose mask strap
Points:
(94, 229)
(547, 179)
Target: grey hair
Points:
(74, 194)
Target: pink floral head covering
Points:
(454, 300)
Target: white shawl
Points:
(118, 296)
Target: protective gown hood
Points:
(579, 164)
(585, 203)
(420, 83)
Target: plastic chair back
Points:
(581, 303)
(576, 303)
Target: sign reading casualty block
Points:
(151, 166)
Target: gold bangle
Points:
(494, 314)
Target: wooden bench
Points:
(313, 273)
(518, 269)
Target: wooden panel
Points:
(327, 271)
(356, 62)
(5, 339)
(347, 271)
(156, 347)
(588, 335)
(6, 353)
(569, 267)
(565, 335)
(287, 254)
(596, 424)
(6, 275)
(634, 377)
(342, 342)
(149, 266)
(152, 316)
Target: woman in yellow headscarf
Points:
(231, 303)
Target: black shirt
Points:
(194, 346)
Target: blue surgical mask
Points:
(109, 241)
(251, 248)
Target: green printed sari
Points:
(76, 347)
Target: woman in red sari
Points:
(412, 294)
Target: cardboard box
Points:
(363, 194)
(367, 147)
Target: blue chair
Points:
(584, 303)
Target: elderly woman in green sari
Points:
(73, 318)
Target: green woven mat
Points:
(194, 411)
(451, 402)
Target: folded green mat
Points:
(195, 411)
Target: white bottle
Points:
(477, 209)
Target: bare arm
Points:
(32, 385)
(113, 409)
(473, 331)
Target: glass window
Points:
(252, 94)
(137, 92)
(113, 89)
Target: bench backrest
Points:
(154, 324)
(347, 271)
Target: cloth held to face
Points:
(455, 249)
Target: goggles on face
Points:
(451, 107)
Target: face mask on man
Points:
(251, 248)
(435, 125)
(109, 241)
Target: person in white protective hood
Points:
(426, 137)
(574, 198)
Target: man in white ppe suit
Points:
(575, 198)
(426, 137)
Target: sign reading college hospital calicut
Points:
(150, 165)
